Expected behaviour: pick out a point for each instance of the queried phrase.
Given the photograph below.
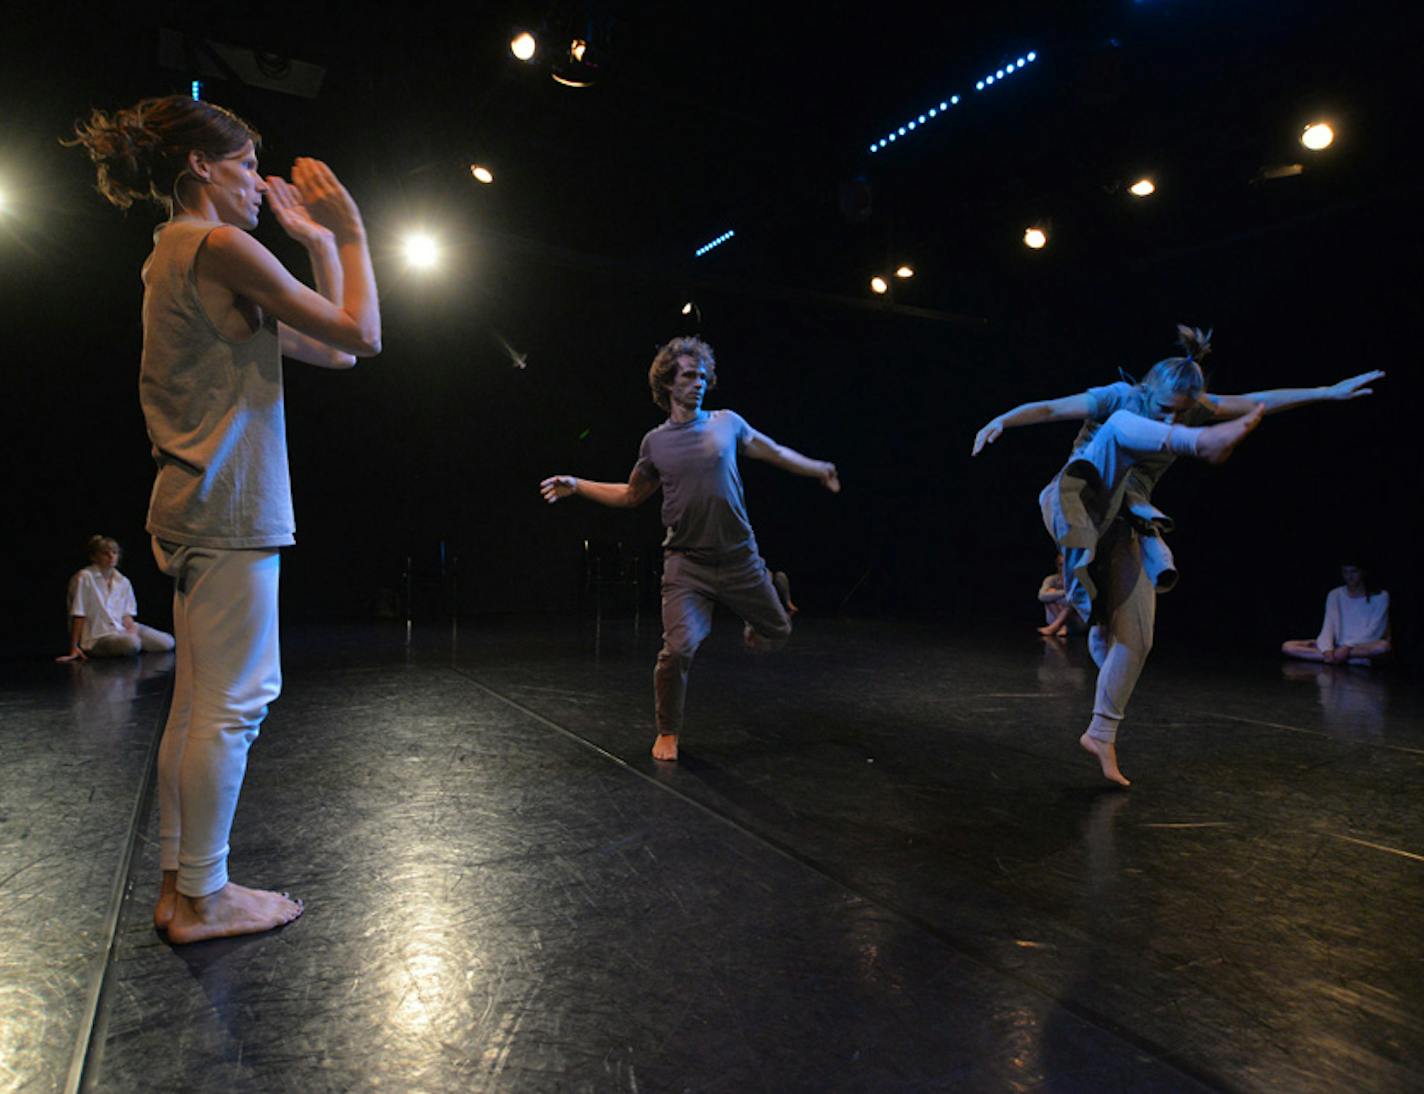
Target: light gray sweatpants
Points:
(1128, 597)
(228, 670)
(692, 588)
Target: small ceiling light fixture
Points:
(578, 67)
(687, 308)
(879, 286)
(1143, 188)
(481, 173)
(1316, 136)
(1035, 238)
(905, 272)
(522, 45)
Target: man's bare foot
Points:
(232, 910)
(782, 584)
(167, 898)
(1106, 752)
(1215, 443)
(665, 747)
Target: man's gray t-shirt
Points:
(695, 463)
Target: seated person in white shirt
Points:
(102, 610)
(1356, 627)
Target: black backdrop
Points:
(442, 440)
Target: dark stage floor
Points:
(883, 865)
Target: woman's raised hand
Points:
(327, 202)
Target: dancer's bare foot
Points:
(1215, 443)
(665, 747)
(1106, 752)
(167, 898)
(782, 584)
(232, 910)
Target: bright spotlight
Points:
(687, 308)
(1033, 56)
(1316, 136)
(1035, 238)
(421, 252)
(1142, 188)
(481, 173)
(879, 286)
(522, 46)
(905, 272)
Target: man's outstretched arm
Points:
(618, 495)
(761, 447)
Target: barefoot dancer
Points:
(219, 311)
(1099, 509)
(710, 554)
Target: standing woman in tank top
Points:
(219, 313)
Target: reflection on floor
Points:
(881, 865)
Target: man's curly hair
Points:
(664, 367)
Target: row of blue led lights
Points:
(721, 239)
(935, 111)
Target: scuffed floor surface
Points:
(882, 865)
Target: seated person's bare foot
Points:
(665, 747)
(167, 898)
(232, 910)
(1215, 443)
(1053, 630)
(1106, 752)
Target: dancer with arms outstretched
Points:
(219, 313)
(1099, 507)
(709, 553)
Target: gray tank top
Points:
(213, 407)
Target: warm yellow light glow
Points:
(482, 174)
(879, 286)
(1035, 238)
(905, 272)
(522, 46)
(421, 252)
(577, 49)
(1143, 187)
(1316, 136)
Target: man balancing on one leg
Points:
(710, 553)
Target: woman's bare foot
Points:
(665, 747)
(1215, 443)
(167, 898)
(1106, 752)
(232, 910)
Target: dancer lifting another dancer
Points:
(1099, 507)
(219, 312)
(709, 553)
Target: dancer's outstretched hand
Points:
(285, 201)
(988, 435)
(558, 486)
(1354, 387)
(829, 478)
(326, 199)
